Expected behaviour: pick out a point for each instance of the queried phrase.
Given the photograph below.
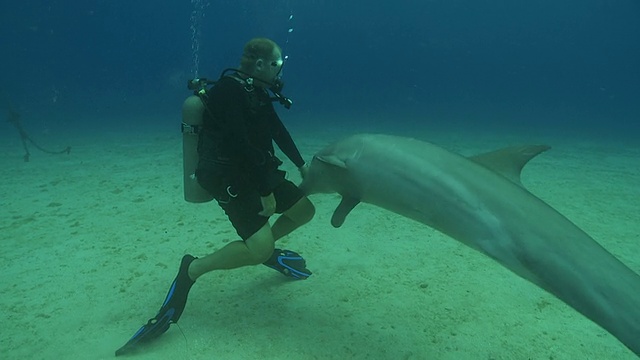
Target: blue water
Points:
(82, 66)
(97, 75)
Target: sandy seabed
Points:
(91, 241)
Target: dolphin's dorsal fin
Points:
(509, 162)
(344, 208)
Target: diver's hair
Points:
(257, 48)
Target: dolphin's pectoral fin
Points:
(344, 208)
(509, 162)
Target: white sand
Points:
(91, 241)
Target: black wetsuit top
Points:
(237, 134)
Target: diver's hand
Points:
(304, 170)
(268, 205)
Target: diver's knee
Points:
(311, 211)
(261, 245)
(260, 254)
(304, 211)
(263, 255)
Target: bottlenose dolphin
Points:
(481, 202)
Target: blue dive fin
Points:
(289, 263)
(169, 312)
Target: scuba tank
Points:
(192, 111)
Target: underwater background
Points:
(562, 66)
(91, 239)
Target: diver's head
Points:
(262, 60)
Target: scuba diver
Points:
(234, 163)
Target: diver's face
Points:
(269, 68)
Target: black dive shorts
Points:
(241, 201)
